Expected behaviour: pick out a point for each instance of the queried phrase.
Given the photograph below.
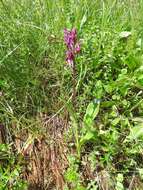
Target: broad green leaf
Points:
(115, 121)
(136, 132)
(91, 113)
(87, 137)
(139, 42)
(138, 119)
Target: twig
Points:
(132, 183)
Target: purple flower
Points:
(70, 38)
(69, 58)
(77, 48)
(73, 47)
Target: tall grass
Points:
(35, 81)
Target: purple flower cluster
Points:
(73, 47)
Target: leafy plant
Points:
(10, 171)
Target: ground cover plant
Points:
(71, 88)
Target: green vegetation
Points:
(47, 141)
